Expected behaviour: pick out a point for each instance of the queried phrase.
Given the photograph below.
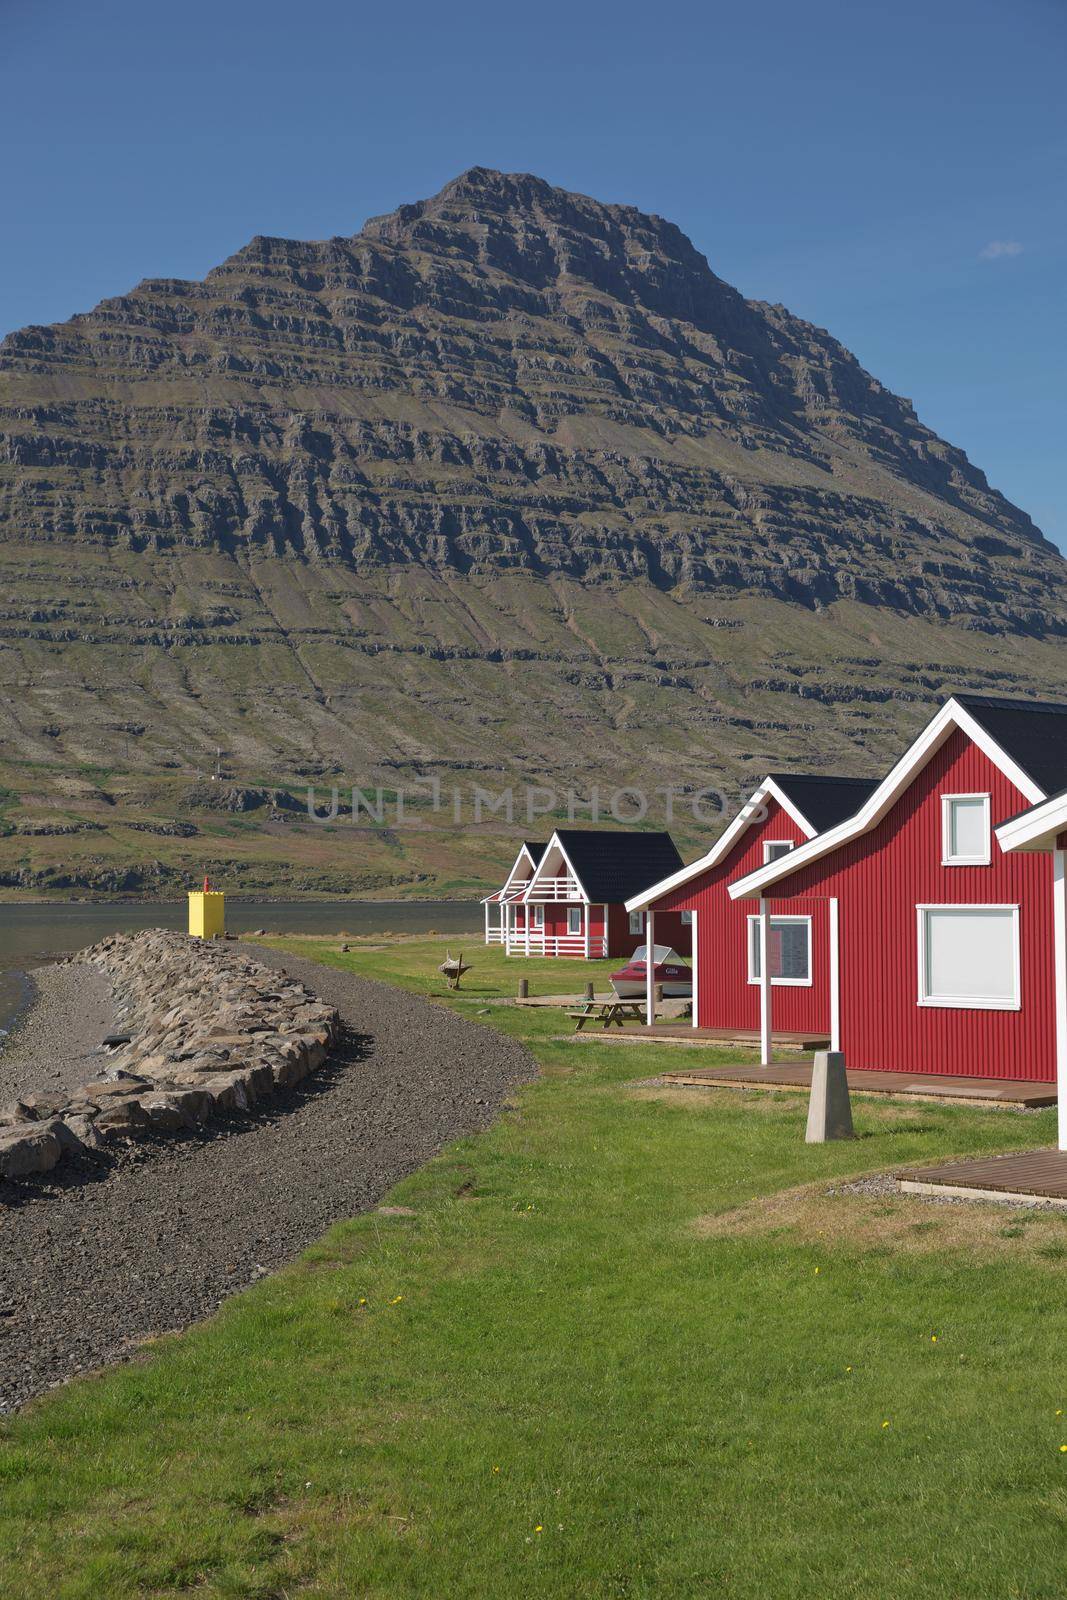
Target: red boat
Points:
(668, 970)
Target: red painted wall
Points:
(725, 998)
(880, 879)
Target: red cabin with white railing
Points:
(567, 897)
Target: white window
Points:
(969, 957)
(687, 919)
(789, 942)
(637, 922)
(773, 848)
(965, 831)
(538, 916)
(574, 919)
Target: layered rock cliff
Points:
(370, 498)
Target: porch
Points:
(1016, 1092)
(1028, 1175)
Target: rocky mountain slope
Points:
(509, 486)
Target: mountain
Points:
(508, 487)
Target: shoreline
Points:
(53, 1037)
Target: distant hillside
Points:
(507, 487)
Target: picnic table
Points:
(608, 1013)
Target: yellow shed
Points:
(207, 914)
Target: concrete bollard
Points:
(829, 1109)
(524, 988)
(589, 991)
(657, 993)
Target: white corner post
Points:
(604, 940)
(487, 922)
(587, 915)
(695, 960)
(1059, 955)
(507, 913)
(526, 914)
(763, 927)
(835, 976)
(650, 969)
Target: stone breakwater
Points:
(204, 1029)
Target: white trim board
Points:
(951, 717)
(725, 842)
(1037, 829)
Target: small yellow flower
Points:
(848, 1369)
(933, 1338)
(818, 1269)
(1059, 1413)
(363, 1299)
(1063, 1447)
(496, 1469)
(538, 1529)
(396, 1300)
(885, 1424)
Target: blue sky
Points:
(893, 172)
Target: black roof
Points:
(825, 801)
(535, 851)
(612, 867)
(1032, 732)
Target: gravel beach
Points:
(101, 1254)
(52, 1043)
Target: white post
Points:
(695, 958)
(650, 969)
(587, 913)
(604, 939)
(487, 922)
(1059, 955)
(763, 927)
(526, 911)
(508, 909)
(835, 978)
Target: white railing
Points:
(560, 888)
(494, 935)
(563, 944)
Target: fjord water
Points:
(30, 934)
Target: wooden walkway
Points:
(1031, 1175)
(797, 1075)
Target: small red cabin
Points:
(568, 897)
(784, 812)
(942, 953)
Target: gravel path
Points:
(52, 1044)
(97, 1256)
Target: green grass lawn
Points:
(551, 1379)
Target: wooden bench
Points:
(607, 1013)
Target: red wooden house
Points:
(567, 897)
(942, 952)
(783, 813)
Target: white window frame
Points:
(969, 1002)
(947, 858)
(752, 928)
(538, 915)
(637, 917)
(572, 912)
(768, 846)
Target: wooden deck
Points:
(797, 1075)
(741, 1038)
(1031, 1175)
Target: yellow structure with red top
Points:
(207, 913)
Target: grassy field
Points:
(624, 1344)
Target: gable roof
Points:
(612, 866)
(824, 802)
(1033, 732)
(1009, 732)
(527, 848)
(813, 803)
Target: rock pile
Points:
(204, 1029)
